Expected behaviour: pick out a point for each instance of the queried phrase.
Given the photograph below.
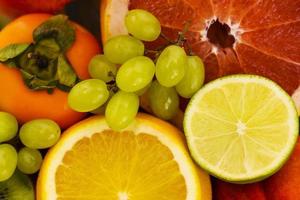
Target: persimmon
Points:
(27, 104)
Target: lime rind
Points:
(283, 155)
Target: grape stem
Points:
(181, 41)
(162, 35)
(112, 86)
(181, 35)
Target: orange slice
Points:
(149, 160)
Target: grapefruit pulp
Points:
(231, 36)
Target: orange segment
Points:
(147, 161)
(126, 173)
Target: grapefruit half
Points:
(231, 36)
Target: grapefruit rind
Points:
(296, 98)
(111, 23)
(278, 162)
(197, 181)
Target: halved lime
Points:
(241, 128)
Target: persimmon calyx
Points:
(42, 63)
(59, 28)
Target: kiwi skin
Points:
(17, 187)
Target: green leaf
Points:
(12, 51)
(26, 76)
(11, 63)
(63, 87)
(59, 28)
(65, 74)
(40, 61)
(35, 83)
(48, 48)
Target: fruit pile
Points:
(34, 135)
(123, 73)
(73, 122)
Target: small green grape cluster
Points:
(35, 134)
(123, 74)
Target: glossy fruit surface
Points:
(29, 160)
(39, 133)
(135, 74)
(16, 8)
(88, 95)
(8, 161)
(142, 25)
(164, 101)
(280, 186)
(121, 48)
(101, 68)
(230, 191)
(193, 78)
(121, 110)
(18, 98)
(170, 66)
(8, 126)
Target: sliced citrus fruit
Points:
(232, 36)
(296, 98)
(149, 160)
(241, 128)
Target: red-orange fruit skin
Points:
(26, 104)
(15, 8)
(229, 191)
(285, 184)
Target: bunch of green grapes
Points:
(34, 135)
(123, 73)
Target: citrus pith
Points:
(148, 160)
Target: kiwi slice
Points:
(17, 187)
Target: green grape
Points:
(101, 109)
(8, 161)
(88, 95)
(135, 74)
(121, 110)
(121, 48)
(164, 101)
(193, 78)
(170, 66)
(143, 90)
(8, 126)
(101, 68)
(39, 133)
(29, 160)
(142, 25)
